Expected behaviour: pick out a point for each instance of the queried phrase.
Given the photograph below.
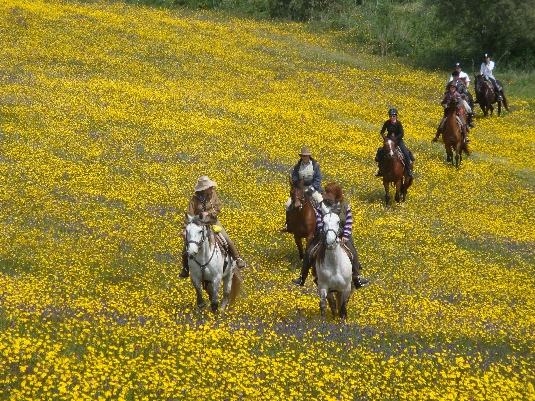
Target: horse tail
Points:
(235, 289)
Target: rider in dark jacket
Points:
(394, 128)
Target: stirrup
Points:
(299, 281)
(238, 265)
(184, 273)
(360, 282)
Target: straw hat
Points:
(204, 183)
(305, 151)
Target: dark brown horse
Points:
(452, 134)
(393, 170)
(486, 96)
(301, 218)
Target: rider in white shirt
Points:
(486, 70)
(463, 76)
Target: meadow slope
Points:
(108, 115)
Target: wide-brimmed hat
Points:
(305, 151)
(204, 183)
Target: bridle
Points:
(390, 145)
(294, 197)
(204, 229)
(325, 232)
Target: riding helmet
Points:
(393, 111)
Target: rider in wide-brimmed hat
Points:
(308, 169)
(206, 204)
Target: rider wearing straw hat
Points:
(307, 169)
(206, 204)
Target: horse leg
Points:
(345, 300)
(213, 291)
(332, 303)
(491, 108)
(299, 243)
(499, 108)
(387, 191)
(323, 303)
(198, 290)
(398, 190)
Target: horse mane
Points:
(322, 247)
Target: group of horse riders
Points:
(206, 204)
(308, 170)
(458, 87)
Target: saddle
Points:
(315, 249)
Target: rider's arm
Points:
(319, 217)
(348, 226)
(216, 204)
(190, 210)
(317, 177)
(384, 127)
(400, 133)
(295, 172)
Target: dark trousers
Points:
(405, 151)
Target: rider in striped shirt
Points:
(334, 199)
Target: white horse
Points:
(333, 267)
(206, 266)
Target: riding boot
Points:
(437, 135)
(286, 228)
(358, 280)
(240, 263)
(379, 172)
(185, 267)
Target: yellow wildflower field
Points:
(108, 115)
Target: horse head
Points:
(196, 233)
(297, 192)
(389, 147)
(331, 226)
(478, 80)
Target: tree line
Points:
(430, 33)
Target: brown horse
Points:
(301, 218)
(393, 170)
(452, 134)
(486, 96)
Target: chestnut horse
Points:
(486, 96)
(301, 218)
(393, 170)
(452, 135)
